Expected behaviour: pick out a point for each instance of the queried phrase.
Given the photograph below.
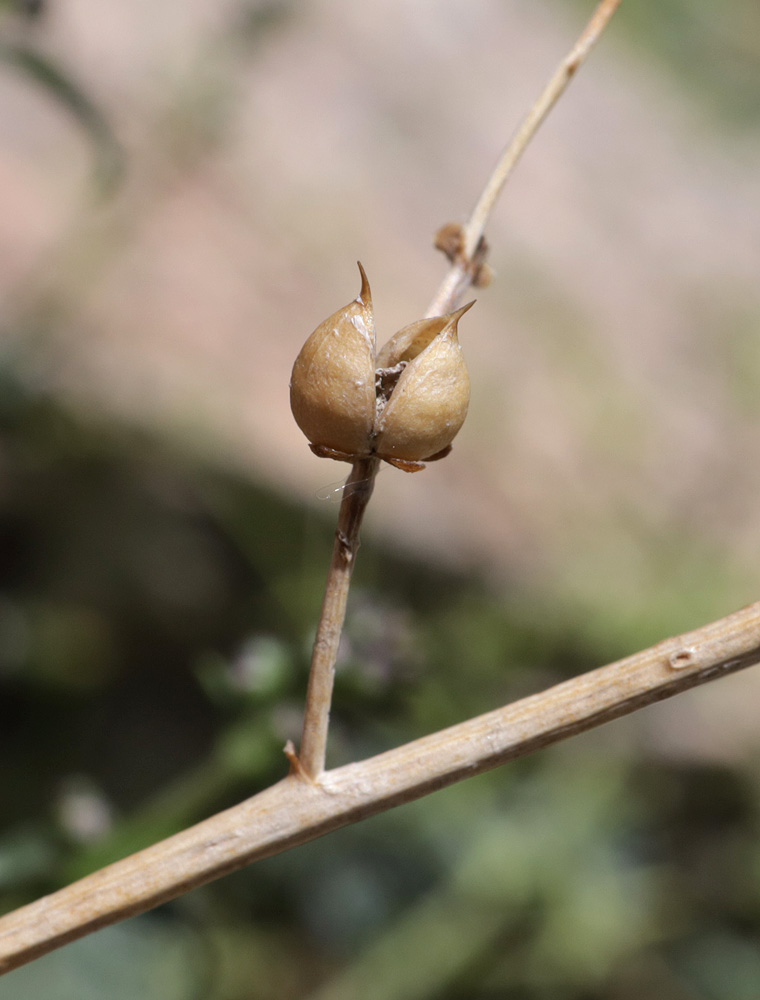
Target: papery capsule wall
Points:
(429, 403)
(332, 388)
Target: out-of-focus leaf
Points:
(724, 967)
(25, 853)
(145, 958)
(109, 159)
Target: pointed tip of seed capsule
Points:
(455, 316)
(452, 319)
(365, 295)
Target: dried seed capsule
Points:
(428, 404)
(410, 341)
(405, 406)
(332, 388)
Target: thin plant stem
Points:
(294, 811)
(310, 762)
(464, 267)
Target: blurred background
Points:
(185, 188)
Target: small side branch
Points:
(357, 491)
(295, 811)
(468, 259)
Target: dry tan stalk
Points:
(295, 811)
(310, 762)
(467, 260)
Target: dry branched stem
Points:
(294, 811)
(311, 801)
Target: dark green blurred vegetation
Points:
(155, 619)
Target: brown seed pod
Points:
(429, 403)
(332, 388)
(404, 405)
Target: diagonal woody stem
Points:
(293, 811)
(470, 254)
